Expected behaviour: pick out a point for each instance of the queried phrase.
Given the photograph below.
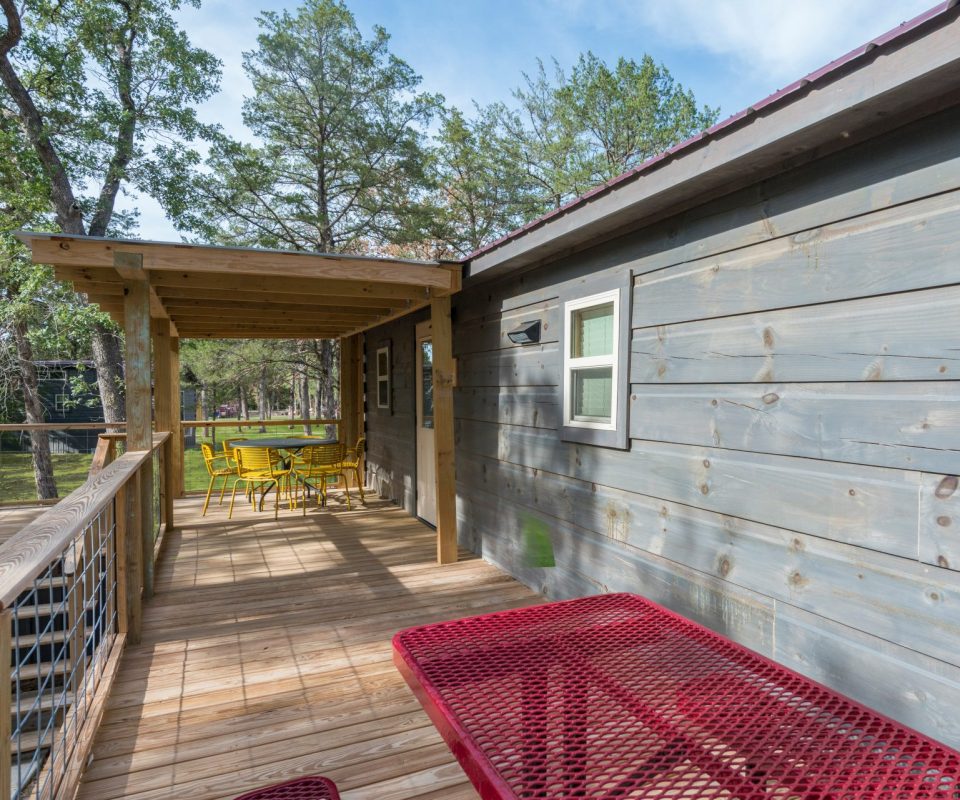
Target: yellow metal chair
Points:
(261, 467)
(319, 463)
(217, 467)
(354, 462)
(228, 450)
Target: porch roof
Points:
(242, 293)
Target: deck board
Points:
(266, 655)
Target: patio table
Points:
(284, 443)
(614, 696)
(292, 444)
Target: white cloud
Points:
(783, 40)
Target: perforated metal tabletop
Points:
(615, 697)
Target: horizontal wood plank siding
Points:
(391, 461)
(794, 422)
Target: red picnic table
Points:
(614, 696)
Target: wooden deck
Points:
(13, 518)
(266, 656)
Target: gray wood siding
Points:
(391, 434)
(794, 421)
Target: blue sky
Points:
(729, 52)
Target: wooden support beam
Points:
(77, 251)
(400, 312)
(130, 556)
(443, 382)
(195, 294)
(350, 391)
(176, 307)
(129, 267)
(139, 429)
(163, 410)
(279, 284)
(227, 334)
(227, 312)
(176, 414)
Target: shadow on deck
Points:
(266, 655)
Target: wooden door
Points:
(426, 445)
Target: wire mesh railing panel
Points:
(64, 626)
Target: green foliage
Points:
(564, 135)
(482, 191)
(626, 114)
(110, 80)
(340, 162)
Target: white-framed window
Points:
(383, 377)
(591, 361)
(60, 402)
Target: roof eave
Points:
(826, 109)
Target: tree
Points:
(95, 87)
(572, 133)
(339, 166)
(627, 114)
(482, 192)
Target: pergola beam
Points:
(202, 297)
(199, 259)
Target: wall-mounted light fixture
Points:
(527, 333)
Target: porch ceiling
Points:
(245, 293)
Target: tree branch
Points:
(64, 202)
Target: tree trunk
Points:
(39, 440)
(305, 401)
(262, 399)
(204, 409)
(330, 395)
(242, 412)
(108, 359)
(293, 397)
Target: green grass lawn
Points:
(195, 475)
(16, 475)
(70, 469)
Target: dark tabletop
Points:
(283, 443)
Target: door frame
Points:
(425, 462)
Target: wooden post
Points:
(443, 380)
(163, 410)
(129, 557)
(349, 390)
(136, 319)
(176, 431)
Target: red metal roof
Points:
(780, 97)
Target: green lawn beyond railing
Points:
(16, 475)
(195, 477)
(70, 469)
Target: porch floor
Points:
(266, 656)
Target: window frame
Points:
(384, 378)
(572, 364)
(618, 289)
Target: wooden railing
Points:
(71, 587)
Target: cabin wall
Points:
(391, 461)
(794, 422)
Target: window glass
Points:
(592, 331)
(592, 394)
(426, 351)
